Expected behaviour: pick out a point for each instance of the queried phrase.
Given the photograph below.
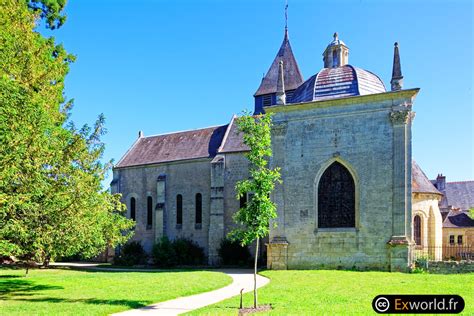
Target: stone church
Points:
(343, 143)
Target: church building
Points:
(343, 143)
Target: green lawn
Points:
(326, 292)
(67, 292)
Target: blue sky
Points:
(163, 66)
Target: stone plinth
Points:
(277, 254)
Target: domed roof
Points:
(339, 82)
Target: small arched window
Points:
(417, 229)
(198, 208)
(335, 61)
(133, 210)
(149, 212)
(336, 198)
(179, 209)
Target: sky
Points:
(164, 66)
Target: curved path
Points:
(242, 279)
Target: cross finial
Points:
(286, 15)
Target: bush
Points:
(163, 253)
(232, 253)
(181, 251)
(131, 254)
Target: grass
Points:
(324, 292)
(68, 292)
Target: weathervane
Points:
(286, 14)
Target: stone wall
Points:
(450, 267)
(375, 148)
(425, 205)
(186, 178)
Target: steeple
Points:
(292, 78)
(336, 53)
(280, 93)
(397, 77)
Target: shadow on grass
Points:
(21, 287)
(94, 301)
(22, 290)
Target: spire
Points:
(397, 77)
(292, 75)
(280, 93)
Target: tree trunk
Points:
(46, 261)
(255, 276)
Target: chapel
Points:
(343, 142)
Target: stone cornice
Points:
(360, 99)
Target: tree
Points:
(52, 203)
(254, 218)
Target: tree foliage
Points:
(254, 218)
(51, 200)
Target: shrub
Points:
(181, 251)
(131, 254)
(232, 253)
(163, 253)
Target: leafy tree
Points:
(51, 200)
(471, 212)
(254, 218)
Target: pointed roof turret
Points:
(291, 76)
(397, 77)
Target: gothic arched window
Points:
(336, 198)
(179, 209)
(149, 212)
(198, 208)
(417, 229)
(133, 206)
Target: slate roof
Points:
(457, 219)
(233, 141)
(292, 74)
(459, 194)
(340, 82)
(419, 182)
(200, 143)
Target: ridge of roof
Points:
(183, 131)
(453, 182)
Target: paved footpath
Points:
(242, 279)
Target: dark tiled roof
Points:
(458, 219)
(233, 141)
(460, 194)
(419, 181)
(292, 75)
(340, 82)
(200, 143)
